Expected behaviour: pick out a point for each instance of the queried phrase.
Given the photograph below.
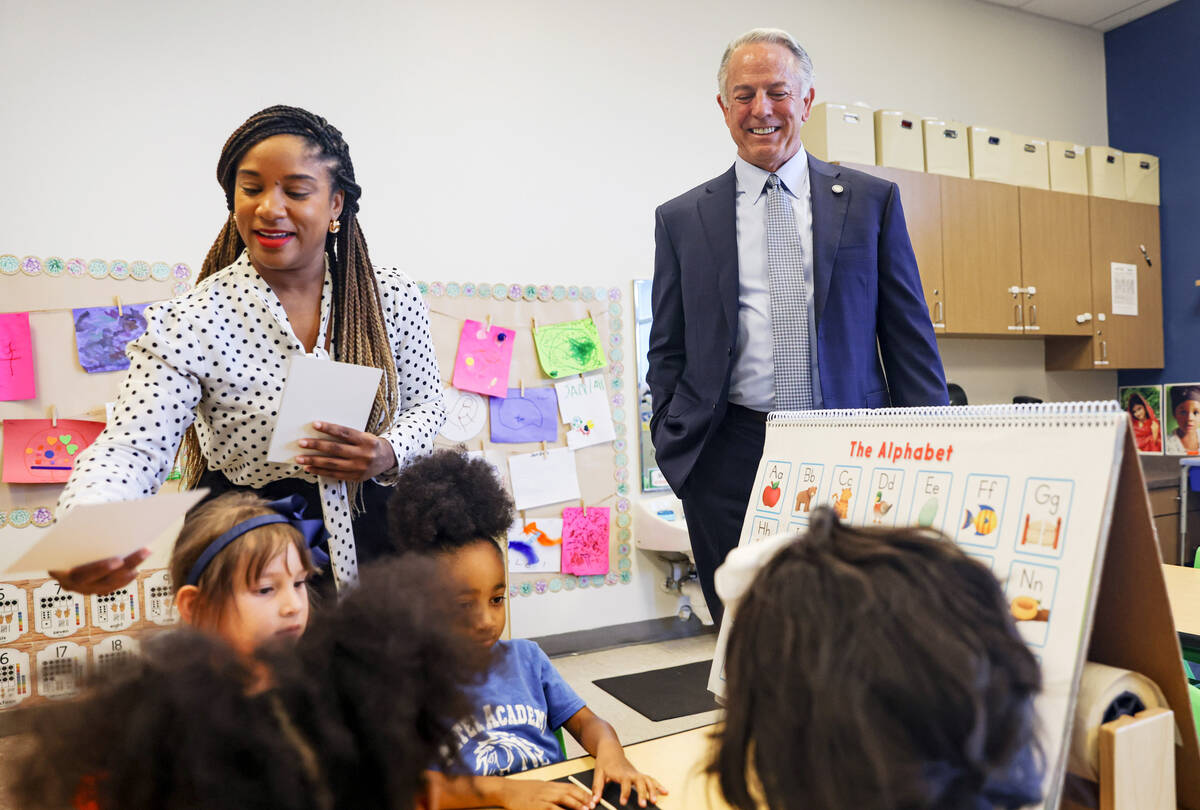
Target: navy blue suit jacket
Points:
(875, 342)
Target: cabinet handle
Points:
(1033, 315)
(1016, 314)
(1104, 350)
(940, 308)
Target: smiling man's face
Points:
(765, 104)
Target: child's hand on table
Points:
(534, 795)
(613, 766)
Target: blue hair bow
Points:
(287, 510)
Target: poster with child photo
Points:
(1143, 404)
(1182, 428)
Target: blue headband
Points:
(287, 510)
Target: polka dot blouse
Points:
(218, 356)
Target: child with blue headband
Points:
(240, 569)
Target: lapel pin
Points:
(836, 188)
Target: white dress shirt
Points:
(752, 382)
(219, 355)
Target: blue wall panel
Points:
(1153, 76)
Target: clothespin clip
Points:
(583, 504)
(487, 324)
(482, 449)
(543, 449)
(522, 388)
(54, 416)
(535, 326)
(119, 311)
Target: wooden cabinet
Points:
(998, 259)
(1165, 507)
(1055, 263)
(981, 257)
(1127, 233)
(921, 198)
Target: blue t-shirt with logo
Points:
(517, 710)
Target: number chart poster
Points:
(1025, 490)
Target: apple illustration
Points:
(771, 495)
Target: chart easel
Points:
(1050, 497)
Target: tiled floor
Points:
(580, 670)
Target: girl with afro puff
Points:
(451, 508)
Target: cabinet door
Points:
(981, 257)
(1119, 231)
(1055, 263)
(921, 197)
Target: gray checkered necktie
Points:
(789, 307)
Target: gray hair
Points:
(770, 36)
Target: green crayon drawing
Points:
(570, 347)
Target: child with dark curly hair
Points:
(452, 508)
(874, 670)
(353, 715)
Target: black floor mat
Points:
(663, 694)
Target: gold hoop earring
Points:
(334, 226)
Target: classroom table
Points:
(675, 760)
(1183, 590)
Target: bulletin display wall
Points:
(602, 469)
(50, 639)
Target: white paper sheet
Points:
(320, 390)
(541, 478)
(531, 533)
(583, 405)
(1124, 289)
(91, 532)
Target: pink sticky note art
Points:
(16, 357)
(36, 451)
(585, 540)
(484, 356)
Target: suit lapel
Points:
(828, 217)
(719, 220)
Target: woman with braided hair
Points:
(288, 274)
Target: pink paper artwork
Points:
(16, 357)
(483, 360)
(585, 540)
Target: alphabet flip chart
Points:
(483, 359)
(101, 334)
(1044, 496)
(585, 540)
(570, 347)
(583, 403)
(36, 451)
(16, 357)
(531, 416)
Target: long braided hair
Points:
(361, 335)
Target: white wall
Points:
(524, 141)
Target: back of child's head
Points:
(241, 562)
(876, 669)
(355, 714)
(446, 501)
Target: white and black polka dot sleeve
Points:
(157, 401)
(418, 379)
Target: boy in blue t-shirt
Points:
(451, 506)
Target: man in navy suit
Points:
(855, 309)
